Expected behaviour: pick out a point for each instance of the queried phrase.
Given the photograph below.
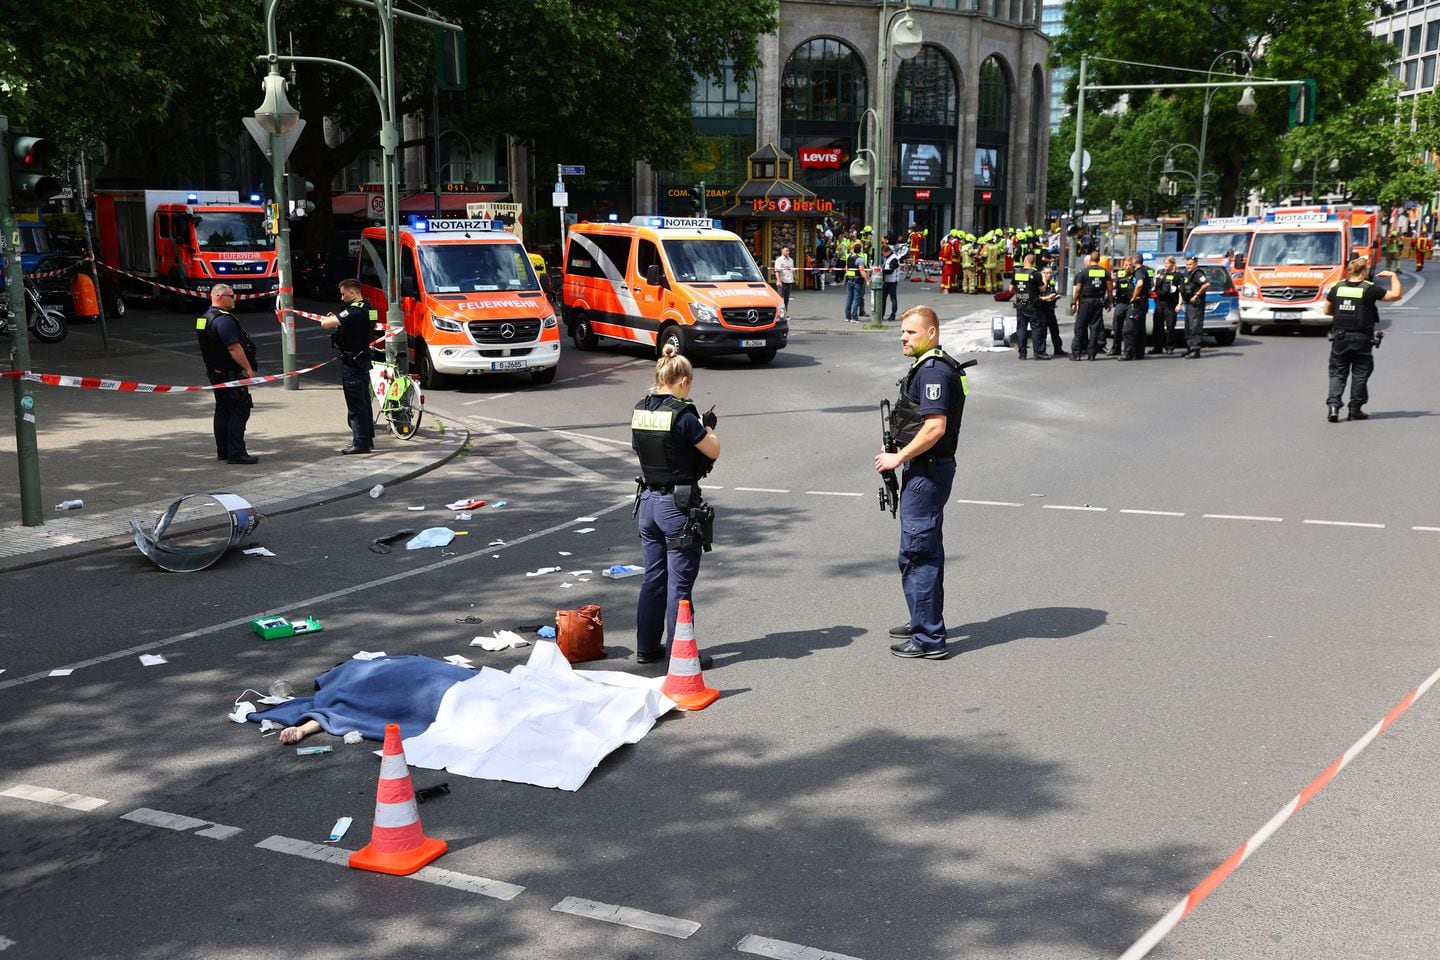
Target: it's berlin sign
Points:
(787, 205)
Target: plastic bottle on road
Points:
(376, 490)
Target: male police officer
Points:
(926, 427)
(856, 266)
(1124, 287)
(1352, 305)
(1092, 290)
(352, 329)
(229, 354)
(1167, 298)
(1025, 282)
(1193, 288)
(1133, 337)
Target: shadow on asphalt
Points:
(1402, 414)
(1051, 623)
(785, 645)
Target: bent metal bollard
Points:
(188, 559)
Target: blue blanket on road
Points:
(365, 695)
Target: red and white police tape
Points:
(187, 292)
(1217, 876)
(131, 386)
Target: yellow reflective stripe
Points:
(200, 323)
(1021, 277)
(964, 385)
(1350, 293)
(659, 420)
(1095, 272)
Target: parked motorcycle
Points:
(47, 324)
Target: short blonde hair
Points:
(672, 367)
(926, 316)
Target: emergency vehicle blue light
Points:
(655, 222)
(497, 224)
(613, 217)
(254, 198)
(418, 224)
(192, 198)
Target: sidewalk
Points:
(129, 455)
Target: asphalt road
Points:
(1176, 595)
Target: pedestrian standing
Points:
(1353, 337)
(1193, 288)
(676, 446)
(1167, 300)
(1025, 282)
(785, 276)
(862, 243)
(229, 354)
(1092, 291)
(352, 329)
(1132, 339)
(1049, 295)
(854, 284)
(925, 423)
(1124, 283)
(890, 277)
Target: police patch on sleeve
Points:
(932, 391)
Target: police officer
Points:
(351, 332)
(1092, 291)
(1025, 282)
(229, 354)
(1167, 299)
(1049, 294)
(677, 446)
(1124, 286)
(926, 427)
(854, 282)
(1193, 288)
(1133, 338)
(1352, 305)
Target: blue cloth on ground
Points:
(365, 695)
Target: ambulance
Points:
(1296, 256)
(1365, 233)
(670, 280)
(1217, 236)
(472, 303)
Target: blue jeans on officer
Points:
(669, 574)
(924, 492)
(854, 297)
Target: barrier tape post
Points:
(1217, 876)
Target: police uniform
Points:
(663, 432)
(933, 385)
(1028, 324)
(1089, 333)
(1352, 327)
(217, 330)
(352, 341)
(1124, 285)
(1167, 299)
(854, 283)
(1195, 283)
(1132, 339)
(1048, 295)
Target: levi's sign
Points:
(822, 157)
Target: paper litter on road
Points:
(500, 640)
(431, 537)
(242, 710)
(580, 573)
(337, 832)
(564, 553)
(622, 570)
(586, 530)
(566, 584)
(542, 571)
(496, 543)
(498, 504)
(582, 579)
(460, 661)
(465, 504)
(257, 552)
(152, 660)
(63, 672)
(414, 508)
(586, 519)
(268, 727)
(369, 655)
(353, 737)
(463, 516)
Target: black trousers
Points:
(1089, 326)
(355, 383)
(232, 412)
(1164, 325)
(889, 293)
(1351, 358)
(1194, 325)
(1052, 323)
(1134, 335)
(1117, 326)
(1028, 327)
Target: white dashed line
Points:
(831, 493)
(323, 852)
(627, 917)
(1427, 529)
(1154, 513)
(55, 798)
(1345, 523)
(760, 489)
(1233, 516)
(783, 950)
(176, 821)
(989, 503)
(1061, 506)
(328, 853)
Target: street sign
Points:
(376, 207)
(559, 199)
(1095, 218)
(572, 169)
(262, 137)
(1084, 161)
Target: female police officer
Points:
(676, 446)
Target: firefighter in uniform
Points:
(1131, 336)
(229, 354)
(1028, 324)
(351, 331)
(947, 264)
(1193, 288)
(967, 262)
(994, 256)
(676, 446)
(1124, 287)
(1351, 304)
(926, 426)
(1167, 299)
(917, 239)
(1092, 290)
(1423, 245)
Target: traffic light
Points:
(1302, 104)
(297, 196)
(450, 72)
(697, 196)
(29, 157)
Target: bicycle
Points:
(402, 401)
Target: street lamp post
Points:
(277, 117)
(901, 35)
(1246, 106)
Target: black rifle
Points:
(890, 492)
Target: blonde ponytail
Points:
(671, 368)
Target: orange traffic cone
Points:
(398, 844)
(685, 684)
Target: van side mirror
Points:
(1239, 261)
(654, 275)
(409, 288)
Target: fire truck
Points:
(186, 240)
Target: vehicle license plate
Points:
(752, 343)
(240, 286)
(507, 365)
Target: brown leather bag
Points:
(580, 633)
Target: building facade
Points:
(1414, 29)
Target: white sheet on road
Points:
(542, 723)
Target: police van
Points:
(670, 280)
(471, 300)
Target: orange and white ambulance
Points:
(471, 300)
(1365, 233)
(680, 280)
(1296, 256)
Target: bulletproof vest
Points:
(1165, 288)
(1352, 310)
(665, 458)
(852, 264)
(1194, 280)
(1093, 283)
(1027, 286)
(1124, 281)
(906, 418)
(1140, 283)
(213, 351)
(351, 337)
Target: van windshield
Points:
(232, 231)
(476, 267)
(1280, 249)
(1216, 245)
(711, 261)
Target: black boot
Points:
(1333, 416)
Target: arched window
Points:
(926, 92)
(1037, 129)
(994, 112)
(992, 145)
(824, 80)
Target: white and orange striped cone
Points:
(398, 844)
(685, 684)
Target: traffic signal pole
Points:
(26, 448)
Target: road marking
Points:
(540, 453)
(1061, 506)
(324, 852)
(783, 950)
(1232, 516)
(627, 917)
(831, 493)
(55, 798)
(1345, 523)
(1154, 513)
(991, 503)
(498, 889)
(760, 489)
(1427, 529)
(177, 821)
